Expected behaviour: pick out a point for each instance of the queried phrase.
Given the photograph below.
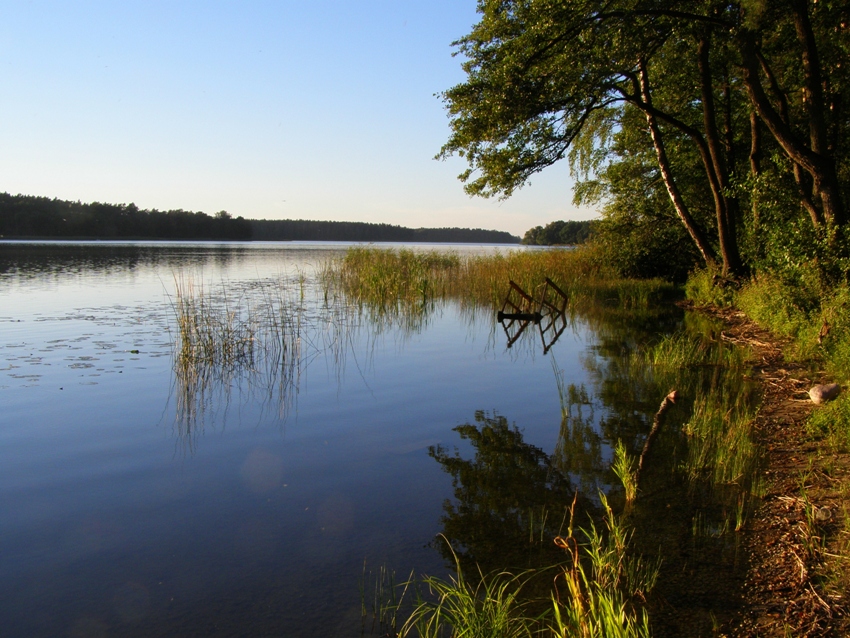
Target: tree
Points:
(547, 79)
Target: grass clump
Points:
(721, 445)
(604, 585)
(807, 307)
(681, 350)
(625, 470)
(597, 594)
(490, 608)
(831, 422)
(209, 329)
(222, 339)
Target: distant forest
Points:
(569, 233)
(25, 216)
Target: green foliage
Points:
(721, 443)
(549, 80)
(645, 248)
(599, 600)
(624, 467)
(832, 422)
(490, 608)
(597, 595)
(559, 233)
(680, 350)
(705, 287)
(814, 315)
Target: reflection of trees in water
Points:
(679, 514)
(683, 515)
(510, 499)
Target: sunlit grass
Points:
(391, 279)
(597, 593)
(831, 422)
(721, 443)
(625, 468)
(681, 350)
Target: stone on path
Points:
(824, 392)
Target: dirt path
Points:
(795, 541)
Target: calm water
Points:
(255, 515)
(262, 500)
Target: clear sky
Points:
(316, 109)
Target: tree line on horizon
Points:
(560, 233)
(26, 216)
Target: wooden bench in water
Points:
(520, 310)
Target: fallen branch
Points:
(669, 400)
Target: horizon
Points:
(321, 112)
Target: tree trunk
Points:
(726, 207)
(818, 164)
(693, 228)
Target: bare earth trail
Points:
(794, 584)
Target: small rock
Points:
(823, 514)
(824, 392)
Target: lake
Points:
(274, 499)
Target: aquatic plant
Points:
(681, 349)
(597, 594)
(624, 467)
(604, 584)
(223, 338)
(490, 607)
(386, 599)
(389, 279)
(720, 441)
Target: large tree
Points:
(544, 74)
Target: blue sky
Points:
(317, 109)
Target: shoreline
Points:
(790, 540)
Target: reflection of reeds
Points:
(251, 342)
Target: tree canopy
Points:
(720, 107)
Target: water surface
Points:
(264, 499)
(117, 521)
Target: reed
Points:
(385, 598)
(223, 339)
(597, 594)
(602, 599)
(490, 607)
(721, 445)
(393, 279)
(624, 468)
(683, 350)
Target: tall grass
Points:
(596, 594)
(392, 279)
(682, 350)
(624, 467)
(721, 445)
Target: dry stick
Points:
(669, 400)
